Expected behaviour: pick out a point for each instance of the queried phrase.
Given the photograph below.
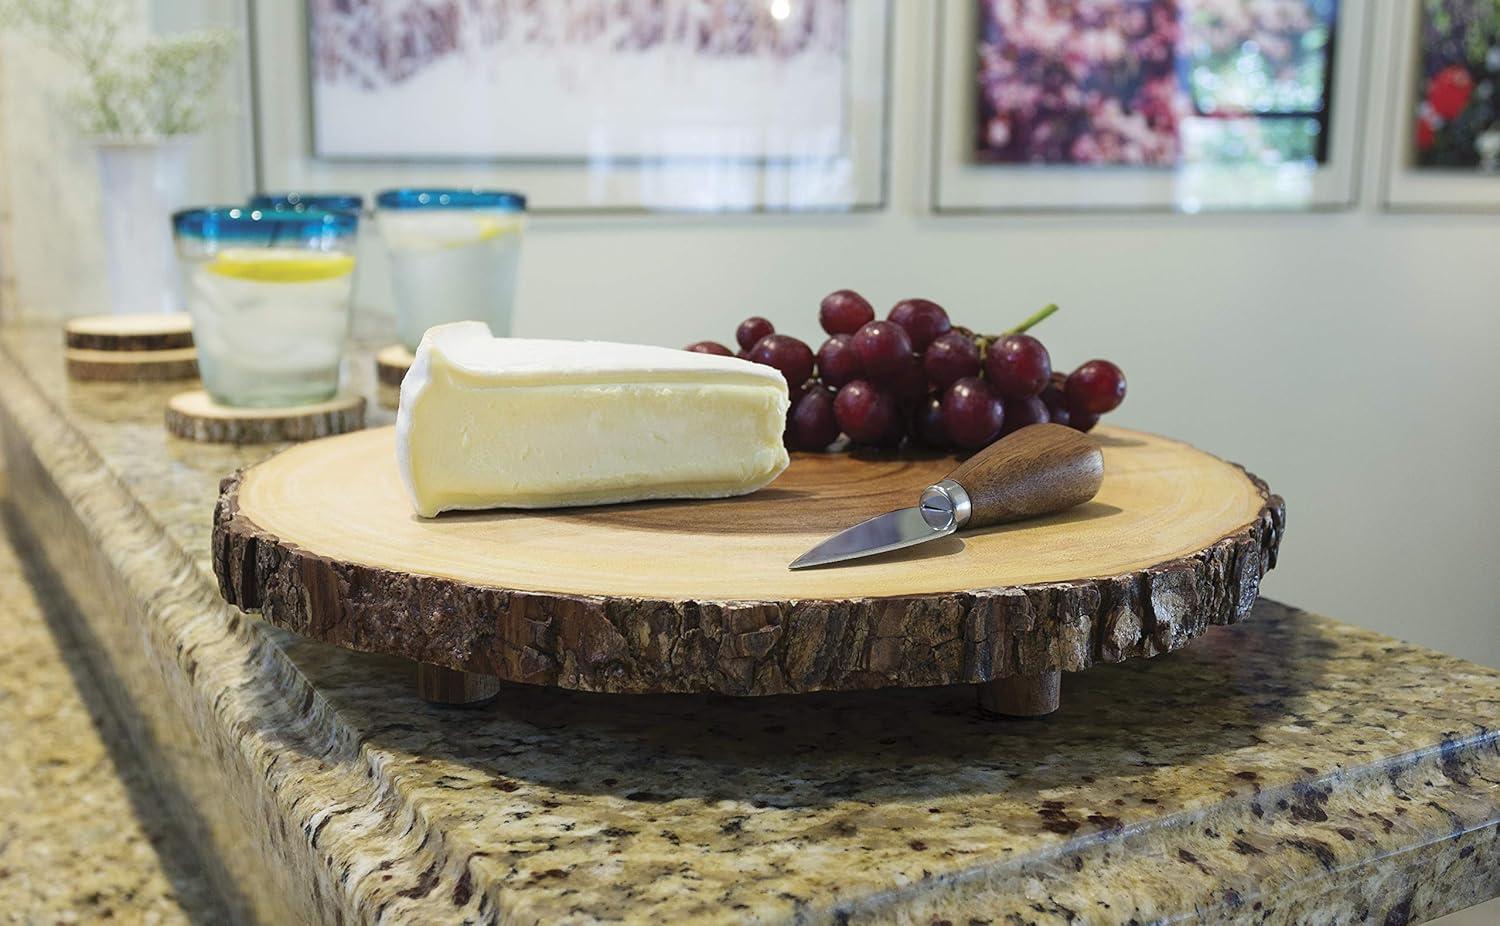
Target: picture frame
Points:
(851, 176)
(958, 182)
(1406, 186)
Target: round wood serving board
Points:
(696, 596)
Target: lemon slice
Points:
(273, 265)
(440, 232)
(489, 229)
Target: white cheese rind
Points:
(490, 422)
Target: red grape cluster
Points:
(915, 376)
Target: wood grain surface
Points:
(1032, 472)
(696, 596)
(131, 365)
(391, 364)
(437, 685)
(1023, 695)
(146, 332)
(196, 416)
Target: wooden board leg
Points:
(437, 685)
(1022, 695)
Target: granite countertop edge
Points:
(265, 700)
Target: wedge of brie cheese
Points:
(488, 422)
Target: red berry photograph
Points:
(1153, 83)
(1456, 124)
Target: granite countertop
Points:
(83, 836)
(1288, 769)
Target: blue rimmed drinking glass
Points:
(300, 202)
(269, 294)
(455, 255)
(327, 202)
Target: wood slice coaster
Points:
(131, 365)
(697, 597)
(196, 416)
(130, 332)
(391, 364)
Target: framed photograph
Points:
(1145, 104)
(1443, 153)
(584, 105)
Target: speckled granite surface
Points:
(1290, 769)
(83, 836)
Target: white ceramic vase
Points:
(141, 182)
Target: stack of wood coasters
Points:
(196, 416)
(130, 348)
(391, 365)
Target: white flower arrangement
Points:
(132, 88)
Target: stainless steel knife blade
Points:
(893, 530)
(1035, 471)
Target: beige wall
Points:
(1345, 357)
(51, 254)
(49, 194)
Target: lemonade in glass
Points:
(455, 255)
(269, 294)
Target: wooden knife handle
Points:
(1037, 470)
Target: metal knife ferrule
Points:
(945, 505)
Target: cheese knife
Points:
(1039, 469)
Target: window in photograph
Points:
(1153, 83)
(578, 79)
(1456, 123)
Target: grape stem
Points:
(1039, 316)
